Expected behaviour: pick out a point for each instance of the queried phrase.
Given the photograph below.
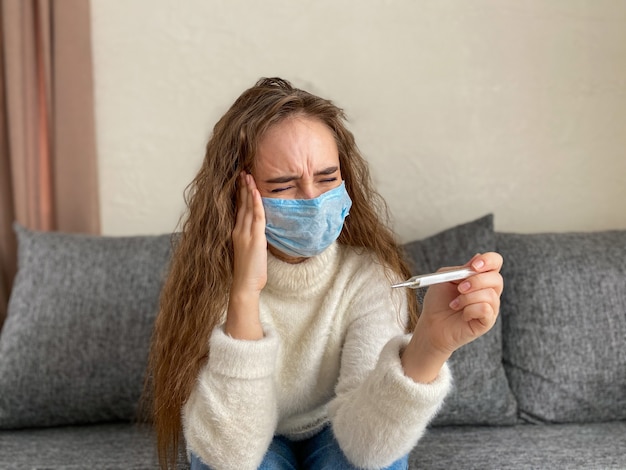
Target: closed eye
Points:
(280, 190)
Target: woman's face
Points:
(297, 159)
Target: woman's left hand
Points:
(454, 314)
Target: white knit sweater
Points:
(331, 353)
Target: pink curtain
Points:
(48, 172)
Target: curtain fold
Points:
(48, 150)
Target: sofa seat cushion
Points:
(99, 446)
(525, 446)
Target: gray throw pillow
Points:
(564, 324)
(481, 393)
(74, 345)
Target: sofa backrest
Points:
(564, 324)
(75, 343)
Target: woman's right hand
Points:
(250, 263)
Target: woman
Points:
(279, 343)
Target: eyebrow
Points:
(287, 178)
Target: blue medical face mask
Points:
(306, 227)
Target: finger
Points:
(258, 211)
(249, 197)
(255, 195)
(489, 279)
(483, 296)
(247, 207)
(251, 181)
(241, 199)
(483, 313)
(490, 261)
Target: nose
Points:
(308, 192)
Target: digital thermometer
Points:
(436, 278)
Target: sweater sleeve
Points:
(231, 414)
(379, 413)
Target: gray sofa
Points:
(546, 388)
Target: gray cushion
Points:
(564, 324)
(115, 446)
(74, 345)
(598, 446)
(101, 446)
(481, 393)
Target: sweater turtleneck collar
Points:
(305, 278)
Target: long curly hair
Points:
(195, 294)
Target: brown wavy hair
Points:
(195, 294)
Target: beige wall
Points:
(463, 107)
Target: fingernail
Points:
(454, 304)
(478, 264)
(465, 286)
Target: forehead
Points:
(297, 141)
